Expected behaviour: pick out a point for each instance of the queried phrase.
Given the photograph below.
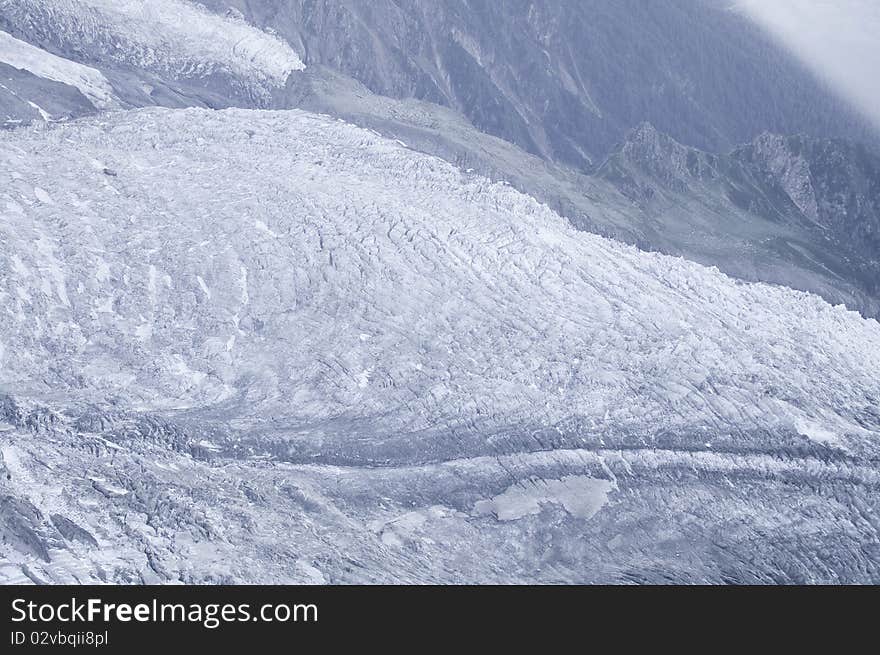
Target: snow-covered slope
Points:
(445, 300)
(242, 327)
(90, 82)
(175, 39)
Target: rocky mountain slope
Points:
(253, 346)
(562, 80)
(834, 184)
(566, 80)
(795, 210)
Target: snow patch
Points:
(46, 116)
(816, 432)
(245, 299)
(91, 83)
(262, 227)
(581, 496)
(42, 196)
(204, 287)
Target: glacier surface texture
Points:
(271, 346)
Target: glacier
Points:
(271, 346)
(174, 39)
(807, 221)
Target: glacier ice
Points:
(275, 346)
(176, 38)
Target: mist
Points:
(837, 39)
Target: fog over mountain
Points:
(836, 38)
(336, 291)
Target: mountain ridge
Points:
(566, 80)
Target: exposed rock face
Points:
(834, 183)
(565, 79)
(20, 527)
(663, 160)
(18, 90)
(821, 197)
(790, 171)
(71, 531)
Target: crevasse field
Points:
(255, 346)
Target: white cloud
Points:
(838, 39)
